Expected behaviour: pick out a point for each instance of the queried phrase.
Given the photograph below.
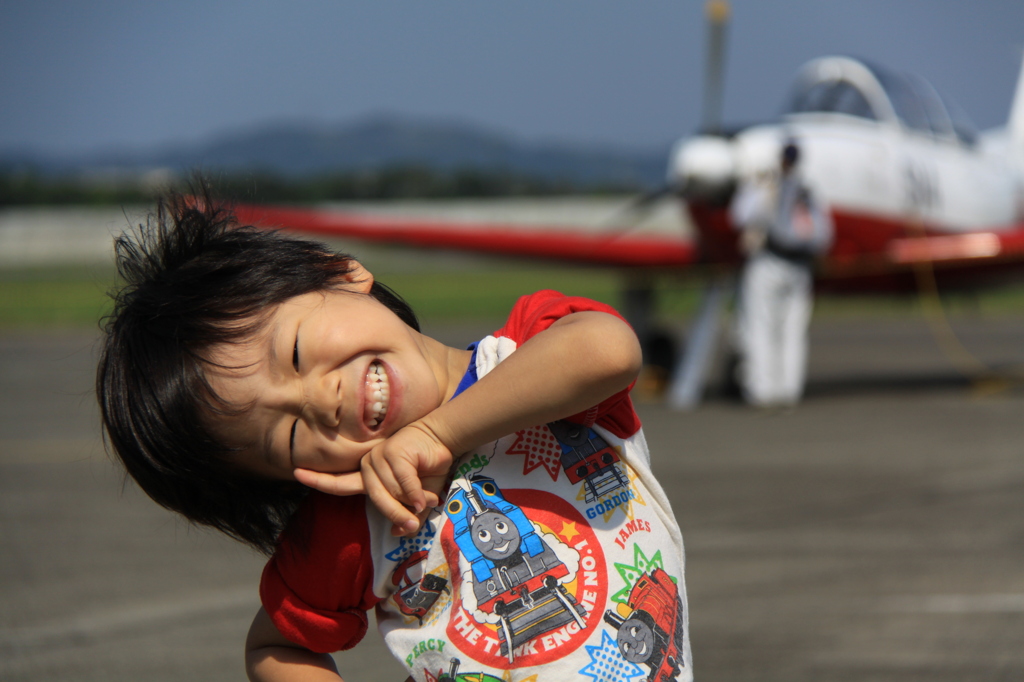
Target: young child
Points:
(238, 361)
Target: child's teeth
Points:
(378, 379)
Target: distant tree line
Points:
(394, 182)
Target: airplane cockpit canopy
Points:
(832, 96)
(840, 85)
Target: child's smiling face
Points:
(331, 375)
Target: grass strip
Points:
(53, 297)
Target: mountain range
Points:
(296, 149)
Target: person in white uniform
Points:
(783, 231)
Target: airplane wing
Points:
(610, 247)
(978, 258)
(1004, 244)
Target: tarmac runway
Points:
(874, 533)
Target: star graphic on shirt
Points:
(541, 449)
(631, 572)
(409, 546)
(608, 665)
(507, 677)
(568, 531)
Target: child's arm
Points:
(270, 657)
(577, 362)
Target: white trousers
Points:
(774, 311)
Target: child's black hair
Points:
(191, 279)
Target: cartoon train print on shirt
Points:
(515, 574)
(416, 597)
(588, 457)
(651, 633)
(453, 675)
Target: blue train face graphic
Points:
(588, 458)
(515, 574)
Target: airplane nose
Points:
(703, 165)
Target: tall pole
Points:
(717, 13)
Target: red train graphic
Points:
(652, 633)
(416, 597)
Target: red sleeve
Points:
(318, 586)
(533, 314)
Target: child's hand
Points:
(406, 471)
(350, 483)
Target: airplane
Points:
(912, 188)
(905, 175)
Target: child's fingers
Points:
(432, 488)
(350, 483)
(412, 488)
(432, 500)
(420, 518)
(403, 519)
(400, 477)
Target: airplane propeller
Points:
(688, 370)
(689, 377)
(717, 13)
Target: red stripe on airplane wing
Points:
(945, 247)
(959, 247)
(1013, 242)
(611, 248)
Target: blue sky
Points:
(78, 76)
